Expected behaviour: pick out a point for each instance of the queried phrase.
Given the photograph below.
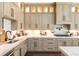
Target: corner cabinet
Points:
(21, 49)
(34, 44)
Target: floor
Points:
(43, 54)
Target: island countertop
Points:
(70, 50)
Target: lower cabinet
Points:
(75, 42)
(21, 49)
(49, 44)
(34, 44)
(65, 42)
(17, 51)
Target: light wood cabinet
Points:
(34, 44)
(49, 44)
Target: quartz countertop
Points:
(70, 50)
(4, 48)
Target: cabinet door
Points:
(6, 9)
(65, 42)
(35, 44)
(76, 21)
(67, 12)
(59, 13)
(23, 48)
(65, 16)
(49, 44)
(76, 42)
(17, 51)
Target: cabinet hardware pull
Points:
(64, 43)
(50, 48)
(35, 44)
(20, 51)
(50, 43)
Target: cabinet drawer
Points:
(50, 49)
(51, 43)
(50, 39)
(46, 43)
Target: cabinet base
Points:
(43, 54)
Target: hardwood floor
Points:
(43, 54)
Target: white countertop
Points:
(4, 48)
(70, 50)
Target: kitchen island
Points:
(69, 50)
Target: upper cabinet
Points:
(63, 13)
(9, 10)
(39, 16)
(13, 12)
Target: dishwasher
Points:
(10, 53)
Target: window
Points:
(51, 9)
(73, 9)
(33, 9)
(39, 9)
(45, 9)
(27, 9)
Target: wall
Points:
(1, 13)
